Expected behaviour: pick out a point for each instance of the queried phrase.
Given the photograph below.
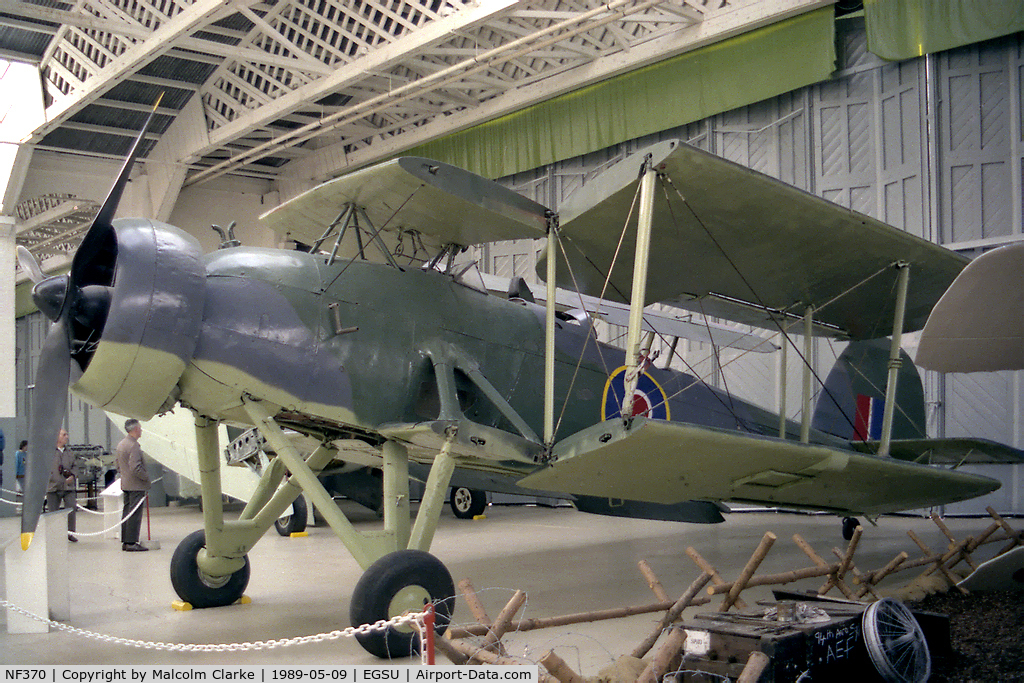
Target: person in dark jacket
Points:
(63, 487)
(134, 485)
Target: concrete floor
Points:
(565, 560)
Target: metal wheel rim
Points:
(896, 643)
(409, 599)
(212, 581)
(463, 499)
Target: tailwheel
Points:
(294, 523)
(400, 582)
(467, 503)
(850, 525)
(195, 587)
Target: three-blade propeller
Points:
(77, 303)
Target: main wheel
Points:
(397, 583)
(195, 587)
(294, 523)
(467, 503)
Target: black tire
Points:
(296, 522)
(199, 590)
(850, 525)
(467, 503)
(393, 585)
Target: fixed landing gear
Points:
(850, 525)
(467, 503)
(294, 523)
(195, 587)
(397, 583)
(210, 567)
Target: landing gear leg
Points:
(407, 579)
(210, 567)
(400, 574)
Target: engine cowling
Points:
(153, 322)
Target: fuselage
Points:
(354, 344)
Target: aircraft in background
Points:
(379, 344)
(977, 325)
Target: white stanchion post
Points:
(111, 502)
(58, 576)
(37, 579)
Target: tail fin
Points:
(851, 405)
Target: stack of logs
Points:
(480, 643)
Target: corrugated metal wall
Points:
(932, 146)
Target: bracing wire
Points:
(760, 301)
(553, 253)
(379, 230)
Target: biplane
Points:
(378, 342)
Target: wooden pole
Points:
(817, 559)
(706, 567)
(672, 614)
(568, 619)
(837, 578)
(473, 602)
(504, 619)
(1015, 535)
(752, 564)
(778, 579)
(939, 562)
(652, 581)
(663, 657)
(454, 655)
(874, 578)
(858, 577)
(756, 664)
(557, 667)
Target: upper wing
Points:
(743, 241)
(977, 325)
(669, 462)
(445, 204)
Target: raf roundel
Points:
(649, 398)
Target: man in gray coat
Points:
(63, 486)
(134, 485)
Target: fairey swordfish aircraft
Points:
(374, 343)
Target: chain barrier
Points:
(82, 534)
(415, 619)
(78, 534)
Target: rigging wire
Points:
(379, 230)
(758, 298)
(553, 253)
(697, 379)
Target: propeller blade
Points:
(30, 265)
(101, 233)
(49, 401)
(109, 207)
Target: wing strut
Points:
(549, 334)
(638, 293)
(902, 282)
(805, 422)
